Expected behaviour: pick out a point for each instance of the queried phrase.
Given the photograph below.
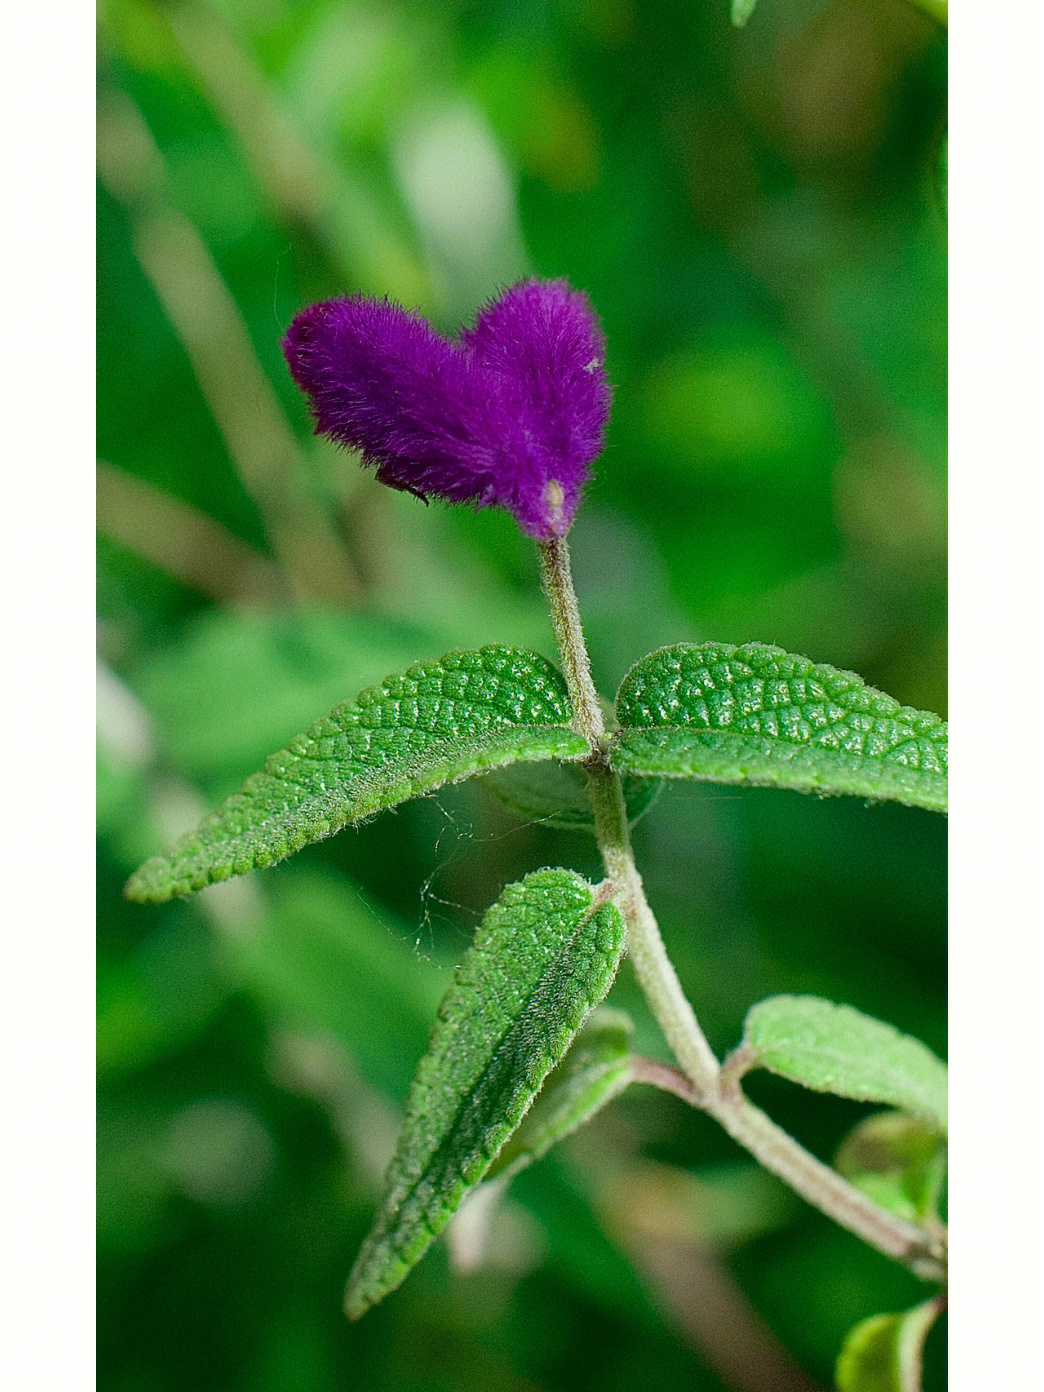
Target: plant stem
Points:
(716, 1092)
(557, 576)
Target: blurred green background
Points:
(755, 217)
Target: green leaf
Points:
(899, 1161)
(742, 11)
(235, 683)
(757, 715)
(557, 794)
(885, 1353)
(438, 723)
(596, 1069)
(545, 953)
(834, 1048)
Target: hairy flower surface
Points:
(510, 415)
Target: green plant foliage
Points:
(885, 1353)
(898, 1161)
(768, 260)
(755, 714)
(557, 794)
(544, 955)
(238, 682)
(438, 723)
(596, 1069)
(834, 1048)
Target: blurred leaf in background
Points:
(753, 213)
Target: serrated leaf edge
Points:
(888, 773)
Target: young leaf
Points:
(438, 723)
(557, 794)
(545, 953)
(596, 1069)
(758, 715)
(834, 1048)
(885, 1353)
(898, 1161)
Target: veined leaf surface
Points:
(437, 723)
(594, 1071)
(545, 953)
(756, 714)
(885, 1353)
(835, 1048)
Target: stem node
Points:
(704, 1083)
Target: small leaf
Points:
(885, 1353)
(742, 11)
(756, 714)
(545, 953)
(438, 723)
(596, 1069)
(557, 794)
(898, 1161)
(834, 1048)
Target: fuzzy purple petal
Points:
(512, 415)
(545, 337)
(384, 382)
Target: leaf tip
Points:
(145, 885)
(355, 1305)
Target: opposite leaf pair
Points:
(747, 715)
(547, 952)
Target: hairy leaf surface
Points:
(596, 1069)
(756, 714)
(885, 1353)
(235, 683)
(835, 1048)
(437, 723)
(545, 953)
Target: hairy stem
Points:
(714, 1090)
(557, 577)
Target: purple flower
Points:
(511, 415)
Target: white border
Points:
(997, 305)
(46, 579)
(997, 636)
